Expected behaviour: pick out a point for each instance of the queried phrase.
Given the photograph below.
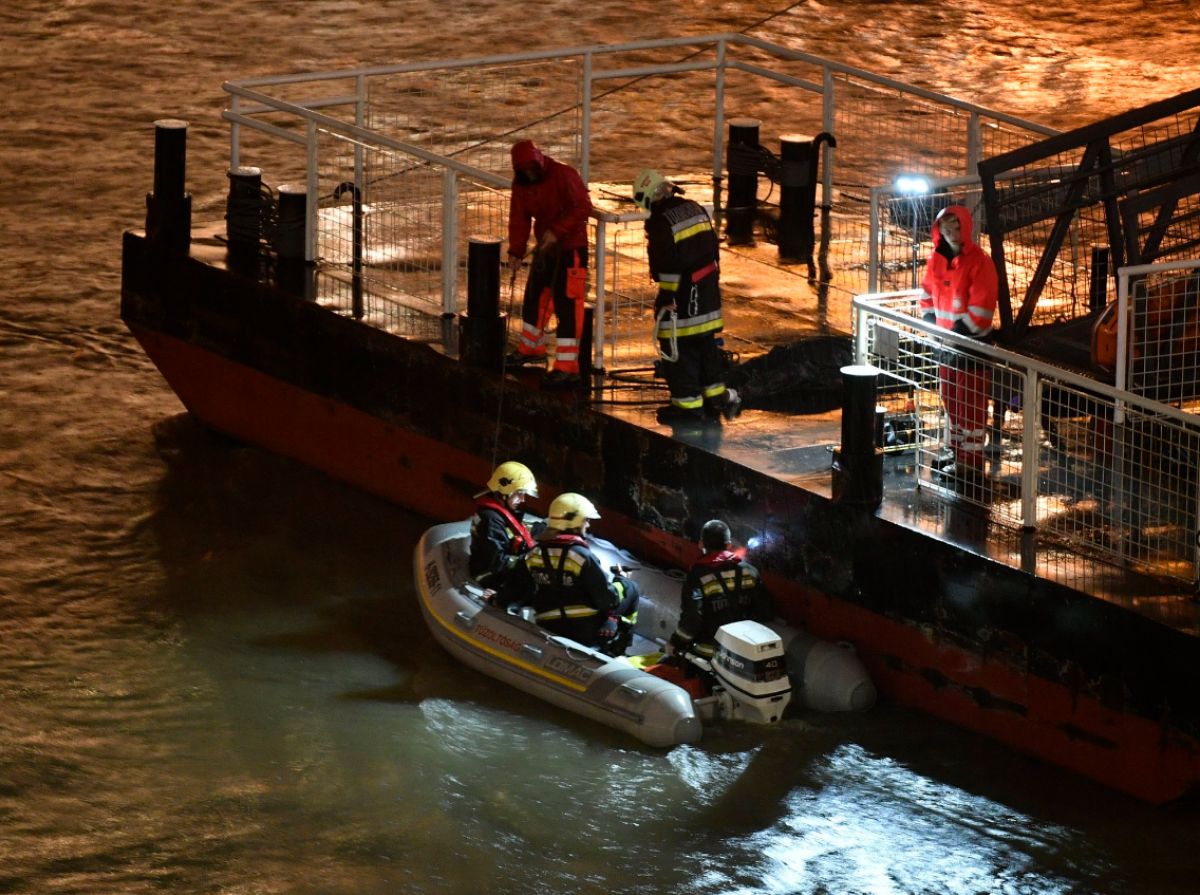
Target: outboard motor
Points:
(751, 670)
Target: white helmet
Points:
(511, 477)
(569, 511)
(647, 185)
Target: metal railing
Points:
(1091, 464)
(397, 133)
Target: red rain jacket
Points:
(558, 201)
(961, 289)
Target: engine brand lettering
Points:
(496, 637)
(570, 669)
(433, 578)
(730, 659)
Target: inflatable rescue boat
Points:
(760, 669)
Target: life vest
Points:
(556, 566)
(522, 540)
(726, 586)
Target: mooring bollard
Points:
(742, 165)
(858, 460)
(169, 207)
(483, 330)
(294, 274)
(799, 162)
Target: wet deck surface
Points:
(798, 448)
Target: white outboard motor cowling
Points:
(750, 664)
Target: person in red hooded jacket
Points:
(959, 294)
(552, 198)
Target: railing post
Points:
(1122, 341)
(873, 247)
(585, 151)
(1031, 448)
(601, 302)
(235, 135)
(861, 348)
(311, 235)
(1196, 534)
(827, 115)
(359, 118)
(718, 136)
(449, 241)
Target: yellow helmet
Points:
(646, 187)
(510, 477)
(569, 511)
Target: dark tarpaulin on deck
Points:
(803, 377)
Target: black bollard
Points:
(293, 273)
(858, 461)
(800, 161)
(169, 207)
(291, 226)
(585, 345)
(243, 208)
(742, 165)
(483, 330)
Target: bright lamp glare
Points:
(913, 186)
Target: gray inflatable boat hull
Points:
(505, 646)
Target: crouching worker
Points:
(720, 588)
(499, 536)
(572, 594)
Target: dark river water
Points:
(213, 674)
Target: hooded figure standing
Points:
(959, 294)
(552, 198)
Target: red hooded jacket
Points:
(557, 201)
(961, 289)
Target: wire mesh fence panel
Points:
(1164, 363)
(1125, 487)
(629, 297)
(1115, 476)
(475, 114)
(883, 134)
(384, 238)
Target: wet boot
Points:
(560, 379)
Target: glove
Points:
(609, 629)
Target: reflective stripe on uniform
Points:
(566, 612)
(533, 340)
(691, 326)
(572, 562)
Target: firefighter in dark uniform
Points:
(720, 588)
(499, 537)
(572, 594)
(684, 256)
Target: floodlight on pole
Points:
(914, 187)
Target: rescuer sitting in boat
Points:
(499, 536)
(570, 591)
(720, 588)
(553, 198)
(684, 256)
